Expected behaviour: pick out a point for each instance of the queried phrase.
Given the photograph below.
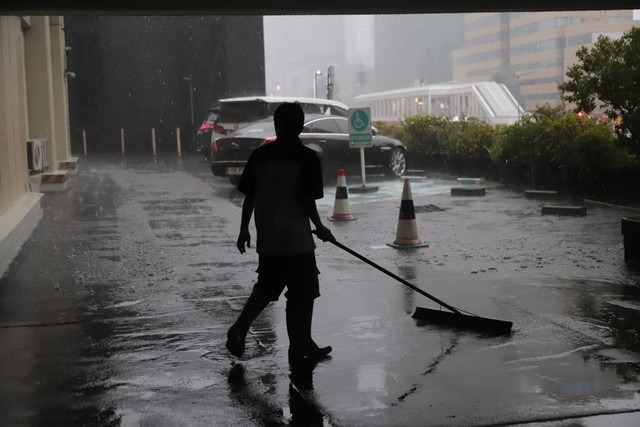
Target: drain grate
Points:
(428, 208)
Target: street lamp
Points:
(518, 76)
(317, 74)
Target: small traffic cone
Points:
(341, 211)
(407, 231)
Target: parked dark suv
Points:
(235, 113)
(202, 139)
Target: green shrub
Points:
(467, 139)
(593, 148)
(562, 143)
(551, 146)
(525, 142)
(423, 133)
(390, 130)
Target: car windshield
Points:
(258, 130)
(243, 111)
(263, 126)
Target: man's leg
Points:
(303, 288)
(299, 317)
(254, 305)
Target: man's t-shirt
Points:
(279, 175)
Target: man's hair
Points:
(289, 116)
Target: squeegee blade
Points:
(463, 321)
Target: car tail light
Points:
(205, 126)
(219, 129)
(268, 140)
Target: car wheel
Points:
(217, 170)
(397, 165)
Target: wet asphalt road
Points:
(115, 312)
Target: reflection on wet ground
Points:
(388, 189)
(125, 324)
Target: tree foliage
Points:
(607, 76)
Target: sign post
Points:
(360, 136)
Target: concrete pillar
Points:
(20, 209)
(60, 93)
(40, 104)
(13, 122)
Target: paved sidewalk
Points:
(116, 310)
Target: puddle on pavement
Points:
(387, 190)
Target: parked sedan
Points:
(326, 135)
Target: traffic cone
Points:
(341, 211)
(407, 231)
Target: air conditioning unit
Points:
(35, 155)
(45, 153)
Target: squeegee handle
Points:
(395, 276)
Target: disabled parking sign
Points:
(360, 127)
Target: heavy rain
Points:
(115, 307)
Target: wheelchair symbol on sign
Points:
(359, 121)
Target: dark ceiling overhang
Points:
(294, 7)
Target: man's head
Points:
(288, 120)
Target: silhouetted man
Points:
(281, 182)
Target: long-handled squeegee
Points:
(455, 318)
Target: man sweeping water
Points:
(281, 182)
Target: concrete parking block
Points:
(561, 210)
(468, 191)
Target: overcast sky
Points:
(296, 47)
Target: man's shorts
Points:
(298, 273)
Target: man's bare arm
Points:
(244, 238)
(322, 232)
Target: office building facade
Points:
(530, 52)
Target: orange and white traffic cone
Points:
(341, 210)
(407, 231)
